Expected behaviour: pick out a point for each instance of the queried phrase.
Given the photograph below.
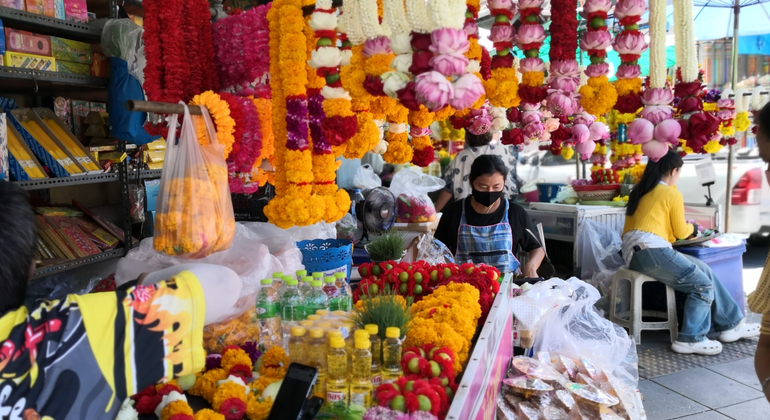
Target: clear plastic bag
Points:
(411, 189)
(600, 260)
(214, 158)
(122, 38)
(433, 251)
(348, 228)
(365, 178)
(136, 199)
(532, 308)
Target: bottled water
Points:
(315, 299)
(269, 319)
(292, 308)
(333, 293)
(346, 293)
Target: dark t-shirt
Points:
(517, 217)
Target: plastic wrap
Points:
(365, 178)
(411, 189)
(533, 307)
(348, 228)
(122, 38)
(233, 332)
(136, 199)
(600, 260)
(214, 159)
(433, 251)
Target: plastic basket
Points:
(597, 192)
(328, 256)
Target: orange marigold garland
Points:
(419, 121)
(502, 88)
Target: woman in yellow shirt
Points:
(654, 220)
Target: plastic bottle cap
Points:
(278, 275)
(313, 317)
(324, 324)
(315, 283)
(337, 342)
(363, 343)
(393, 332)
(334, 333)
(298, 331)
(307, 323)
(266, 281)
(361, 335)
(287, 278)
(339, 275)
(322, 312)
(307, 279)
(372, 329)
(318, 275)
(301, 273)
(316, 332)
(329, 280)
(291, 282)
(340, 313)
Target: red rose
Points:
(532, 94)
(629, 104)
(560, 135)
(148, 404)
(696, 143)
(420, 42)
(407, 97)
(373, 85)
(167, 388)
(502, 61)
(513, 136)
(338, 130)
(703, 124)
(513, 115)
(421, 62)
(685, 132)
(690, 104)
(147, 392)
(240, 370)
(423, 157)
(683, 90)
(233, 409)
(486, 64)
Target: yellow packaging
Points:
(51, 147)
(156, 156)
(29, 61)
(155, 166)
(18, 149)
(68, 140)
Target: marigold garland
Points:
(175, 408)
(220, 113)
(226, 391)
(598, 96)
(503, 88)
(258, 408)
(208, 414)
(234, 357)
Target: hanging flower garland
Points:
(598, 96)
(220, 114)
(630, 44)
(502, 87)
(475, 53)
(241, 43)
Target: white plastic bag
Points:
(122, 38)
(366, 178)
(599, 254)
(535, 306)
(411, 189)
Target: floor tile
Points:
(708, 415)
(741, 371)
(749, 410)
(663, 404)
(708, 388)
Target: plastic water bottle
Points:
(346, 293)
(269, 319)
(333, 293)
(277, 280)
(315, 299)
(284, 280)
(304, 284)
(292, 308)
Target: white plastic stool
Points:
(634, 321)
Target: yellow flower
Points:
(235, 357)
(712, 146)
(727, 131)
(474, 50)
(709, 106)
(208, 414)
(626, 86)
(260, 384)
(399, 150)
(685, 148)
(443, 113)
(422, 118)
(567, 152)
(502, 88)
(226, 391)
(274, 363)
(175, 407)
(532, 78)
(367, 136)
(742, 122)
(257, 408)
(427, 331)
(220, 114)
(598, 96)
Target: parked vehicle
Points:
(750, 193)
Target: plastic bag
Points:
(600, 260)
(365, 178)
(411, 189)
(433, 251)
(188, 219)
(349, 228)
(575, 329)
(136, 199)
(279, 242)
(533, 307)
(214, 158)
(566, 195)
(122, 38)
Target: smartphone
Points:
(293, 395)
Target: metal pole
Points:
(734, 82)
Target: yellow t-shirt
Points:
(80, 357)
(661, 212)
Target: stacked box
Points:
(72, 51)
(57, 159)
(42, 7)
(68, 140)
(4, 172)
(29, 61)
(13, 4)
(80, 110)
(27, 42)
(100, 66)
(75, 10)
(73, 68)
(22, 162)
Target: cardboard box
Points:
(73, 68)
(42, 7)
(54, 165)
(18, 166)
(27, 42)
(80, 110)
(29, 61)
(63, 109)
(7, 104)
(13, 4)
(72, 51)
(83, 158)
(75, 10)
(100, 66)
(58, 8)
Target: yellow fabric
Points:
(660, 212)
(759, 299)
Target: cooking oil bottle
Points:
(391, 356)
(361, 376)
(376, 350)
(298, 345)
(316, 357)
(337, 385)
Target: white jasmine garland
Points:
(741, 100)
(417, 15)
(685, 39)
(473, 67)
(438, 10)
(329, 92)
(400, 42)
(353, 27)
(758, 99)
(324, 57)
(658, 43)
(456, 14)
(395, 17)
(370, 22)
(127, 411)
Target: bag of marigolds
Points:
(189, 218)
(214, 159)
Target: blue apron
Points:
(490, 245)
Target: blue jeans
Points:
(707, 299)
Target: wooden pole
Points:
(161, 107)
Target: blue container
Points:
(727, 264)
(328, 256)
(548, 191)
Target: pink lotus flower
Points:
(581, 117)
(585, 149)
(471, 28)
(630, 43)
(725, 103)
(552, 124)
(529, 117)
(565, 75)
(626, 71)
(529, 34)
(415, 131)
(449, 40)
(654, 150)
(599, 131)
(595, 40)
(530, 4)
(449, 64)
(533, 131)
(640, 131)
(379, 45)
(565, 68)
(580, 133)
(656, 113)
(626, 8)
(433, 90)
(467, 90)
(531, 64)
(501, 33)
(726, 114)
(500, 4)
(593, 6)
(567, 84)
(596, 70)
(668, 131)
(562, 103)
(657, 96)
(526, 106)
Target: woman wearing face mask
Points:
(488, 228)
(759, 301)
(654, 220)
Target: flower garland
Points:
(502, 87)
(420, 122)
(475, 53)
(220, 113)
(598, 96)
(241, 43)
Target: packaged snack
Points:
(41, 7)
(73, 68)
(234, 332)
(27, 42)
(69, 50)
(29, 61)
(75, 10)
(97, 107)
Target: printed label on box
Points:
(27, 42)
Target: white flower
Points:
(127, 411)
(381, 147)
(657, 43)
(367, 10)
(329, 92)
(473, 67)
(392, 82)
(345, 56)
(395, 16)
(353, 27)
(396, 128)
(168, 399)
(499, 124)
(320, 21)
(400, 43)
(401, 63)
(324, 57)
(417, 15)
(497, 111)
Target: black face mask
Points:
(486, 198)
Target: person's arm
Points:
(527, 241)
(682, 229)
(533, 263)
(446, 232)
(443, 199)
(762, 357)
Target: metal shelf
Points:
(39, 184)
(69, 265)
(26, 21)
(48, 83)
(150, 174)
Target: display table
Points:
(727, 264)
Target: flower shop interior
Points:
(319, 154)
